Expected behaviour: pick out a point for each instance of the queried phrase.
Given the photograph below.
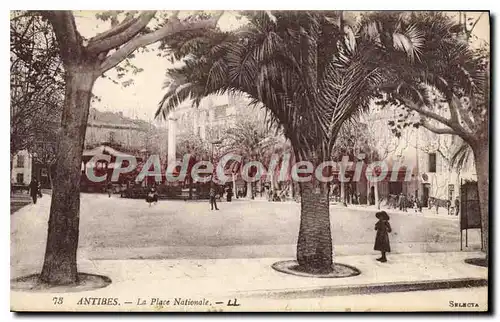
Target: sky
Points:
(141, 98)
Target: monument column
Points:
(172, 135)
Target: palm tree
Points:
(191, 144)
(251, 139)
(311, 71)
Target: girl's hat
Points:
(382, 215)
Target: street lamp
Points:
(212, 157)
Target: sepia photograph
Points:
(249, 161)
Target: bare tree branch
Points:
(127, 22)
(419, 109)
(454, 126)
(116, 38)
(437, 130)
(173, 26)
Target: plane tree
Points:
(83, 61)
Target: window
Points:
(220, 111)
(20, 161)
(432, 162)
(20, 178)
(111, 136)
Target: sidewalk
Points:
(254, 278)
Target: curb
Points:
(390, 287)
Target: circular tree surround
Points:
(477, 262)
(293, 268)
(86, 282)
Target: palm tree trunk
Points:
(314, 246)
(59, 266)
(481, 159)
(249, 190)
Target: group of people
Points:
(277, 195)
(452, 210)
(403, 202)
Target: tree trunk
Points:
(342, 193)
(11, 166)
(60, 265)
(233, 176)
(314, 246)
(481, 159)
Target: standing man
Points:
(213, 202)
(39, 189)
(404, 202)
(229, 194)
(457, 206)
(109, 188)
(34, 189)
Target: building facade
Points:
(21, 168)
(209, 120)
(214, 114)
(117, 130)
(428, 156)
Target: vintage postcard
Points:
(243, 161)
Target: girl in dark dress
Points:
(383, 229)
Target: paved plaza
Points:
(119, 229)
(171, 248)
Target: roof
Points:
(113, 119)
(103, 149)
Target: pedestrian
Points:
(220, 193)
(229, 194)
(383, 229)
(419, 205)
(152, 196)
(213, 202)
(39, 190)
(109, 188)
(33, 186)
(457, 206)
